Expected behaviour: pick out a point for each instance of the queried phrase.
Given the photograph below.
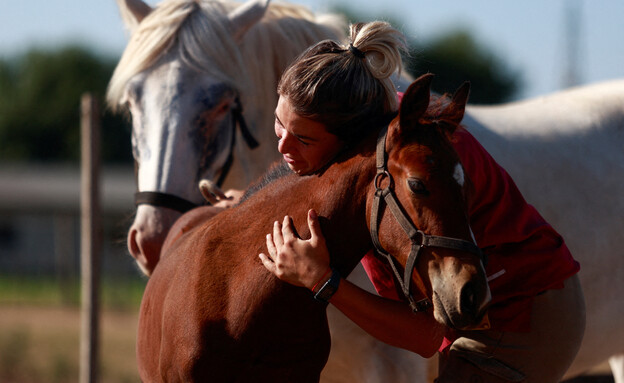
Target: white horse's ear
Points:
(246, 15)
(133, 12)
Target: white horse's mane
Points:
(201, 33)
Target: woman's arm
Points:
(306, 264)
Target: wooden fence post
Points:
(90, 238)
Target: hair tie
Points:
(356, 52)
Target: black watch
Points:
(329, 288)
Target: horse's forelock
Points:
(153, 37)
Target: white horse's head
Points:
(187, 72)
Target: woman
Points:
(334, 94)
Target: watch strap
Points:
(328, 289)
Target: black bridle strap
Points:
(164, 200)
(252, 143)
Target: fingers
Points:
(287, 229)
(316, 235)
(278, 238)
(269, 260)
(271, 247)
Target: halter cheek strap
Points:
(237, 120)
(182, 205)
(418, 238)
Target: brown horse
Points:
(212, 312)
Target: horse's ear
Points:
(246, 15)
(133, 12)
(415, 100)
(454, 112)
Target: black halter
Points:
(418, 238)
(183, 205)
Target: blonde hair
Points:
(348, 88)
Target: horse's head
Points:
(430, 189)
(181, 77)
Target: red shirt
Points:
(526, 256)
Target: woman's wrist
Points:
(326, 290)
(322, 280)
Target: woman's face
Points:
(305, 144)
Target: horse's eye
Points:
(417, 186)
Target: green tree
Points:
(40, 95)
(457, 57)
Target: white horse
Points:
(565, 152)
(182, 77)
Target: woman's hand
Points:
(294, 260)
(306, 263)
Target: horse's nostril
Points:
(468, 300)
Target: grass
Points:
(115, 293)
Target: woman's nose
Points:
(283, 144)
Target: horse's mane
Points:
(275, 172)
(200, 32)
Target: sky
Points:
(529, 35)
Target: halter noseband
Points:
(418, 238)
(182, 205)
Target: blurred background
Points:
(51, 52)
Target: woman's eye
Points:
(303, 142)
(417, 186)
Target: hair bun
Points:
(382, 46)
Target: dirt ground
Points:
(40, 344)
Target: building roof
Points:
(56, 188)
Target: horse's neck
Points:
(345, 197)
(338, 195)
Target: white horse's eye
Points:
(223, 108)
